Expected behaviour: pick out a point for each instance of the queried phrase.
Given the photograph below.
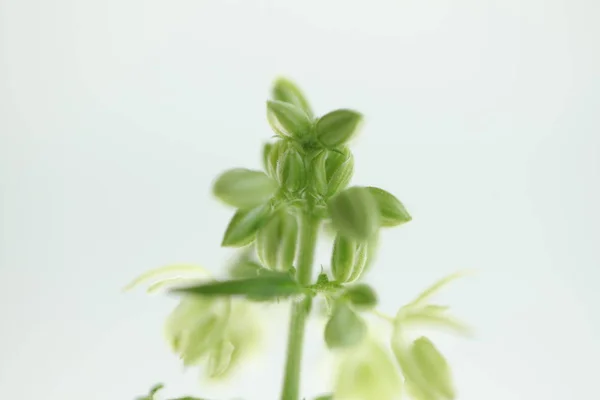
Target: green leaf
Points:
(354, 213)
(288, 120)
(219, 359)
(285, 90)
(337, 127)
(291, 171)
(269, 286)
(318, 173)
(391, 210)
(345, 328)
(361, 295)
(243, 226)
(325, 397)
(244, 188)
(267, 148)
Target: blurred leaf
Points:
(345, 328)
(172, 272)
(244, 188)
(288, 120)
(269, 286)
(361, 295)
(354, 213)
(433, 289)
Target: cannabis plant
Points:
(279, 213)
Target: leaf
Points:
(244, 188)
(361, 295)
(345, 328)
(288, 120)
(285, 90)
(266, 287)
(337, 127)
(433, 289)
(391, 210)
(325, 397)
(354, 213)
(426, 318)
(174, 271)
(243, 226)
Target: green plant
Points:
(279, 215)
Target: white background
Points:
(115, 116)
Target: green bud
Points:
(291, 171)
(348, 259)
(345, 328)
(318, 173)
(220, 359)
(361, 295)
(337, 127)
(340, 167)
(244, 188)
(433, 367)
(354, 213)
(286, 91)
(275, 153)
(288, 120)
(195, 326)
(391, 210)
(265, 155)
(243, 226)
(276, 241)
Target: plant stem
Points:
(309, 227)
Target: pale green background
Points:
(116, 115)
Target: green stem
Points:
(309, 227)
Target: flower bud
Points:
(433, 368)
(274, 155)
(345, 328)
(243, 226)
(291, 171)
(339, 169)
(354, 213)
(337, 127)
(286, 91)
(391, 210)
(276, 241)
(288, 120)
(244, 188)
(366, 372)
(318, 173)
(348, 259)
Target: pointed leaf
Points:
(285, 90)
(391, 210)
(354, 213)
(243, 226)
(244, 188)
(268, 286)
(361, 295)
(337, 127)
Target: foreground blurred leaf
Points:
(422, 298)
(265, 287)
(345, 328)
